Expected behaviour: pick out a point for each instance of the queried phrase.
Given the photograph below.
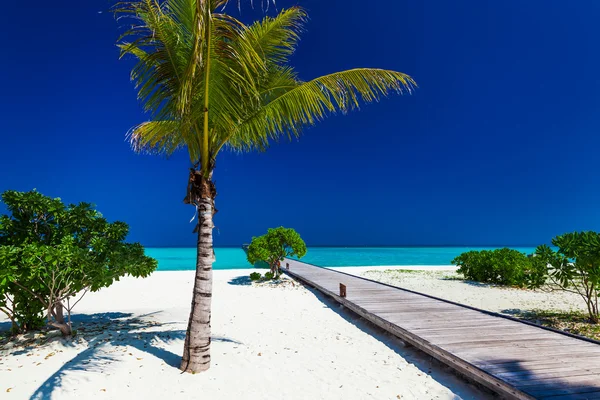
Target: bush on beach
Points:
(575, 267)
(269, 276)
(255, 276)
(50, 253)
(501, 267)
(274, 246)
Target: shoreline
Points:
(344, 268)
(362, 269)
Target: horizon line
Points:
(357, 246)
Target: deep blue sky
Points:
(499, 145)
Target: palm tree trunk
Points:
(196, 351)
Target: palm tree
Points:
(211, 83)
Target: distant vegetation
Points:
(502, 267)
(50, 252)
(574, 267)
(273, 247)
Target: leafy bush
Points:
(255, 276)
(269, 276)
(273, 247)
(575, 267)
(50, 252)
(502, 267)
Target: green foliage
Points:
(536, 273)
(274, 246)
(575, 266)
(269, 276)
(255, 95)
(50, 252)
(255, 276)
(502, 267)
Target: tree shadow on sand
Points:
(106, 336)
(240, 281)
(106, 329)
(473, 283)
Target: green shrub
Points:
(255, 276)
(575, 267)
(274, 246)
(50, 252)
(269, 276)
(537, 274)
(502, 267)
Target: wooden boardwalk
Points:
(513, 358)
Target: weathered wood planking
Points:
(513, 358)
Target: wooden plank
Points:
(508, 354)
(541, 377)
(531, 365)
(584, 382)
(511, 343)
(494, 326)
(581, 396)
(564, 389)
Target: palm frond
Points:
(287, 113)
(161, 46)
(275, 39)
(211, 82)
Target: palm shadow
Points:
(110, 331)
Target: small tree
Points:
(273, 247)
(50, 252)
(575, 267)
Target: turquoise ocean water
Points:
(178, 259)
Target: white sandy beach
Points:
(269, 343)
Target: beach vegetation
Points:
(274, 246)
(269, 276)
(52, 254)
(575, 267)
(212, 83)
(255, 276)
(501, 267)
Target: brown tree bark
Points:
(59, 313)
(59, 316)
(196, 350)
